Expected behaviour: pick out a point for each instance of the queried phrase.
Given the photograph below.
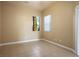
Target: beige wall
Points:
(0, 22)
(61, 23)
(17, 22)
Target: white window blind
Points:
(47, 21)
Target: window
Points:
(36, 23)
(47, 20)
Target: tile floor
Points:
(34, 49)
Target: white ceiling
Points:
(38, 5)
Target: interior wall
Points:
(0, 22)
(61, 23)
(17, 22)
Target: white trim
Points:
(76, 29)
(57, 44)
(18, 42)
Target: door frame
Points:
(76, 30)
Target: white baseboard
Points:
(18, 42)
(62, 46)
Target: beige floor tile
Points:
(35, 49)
